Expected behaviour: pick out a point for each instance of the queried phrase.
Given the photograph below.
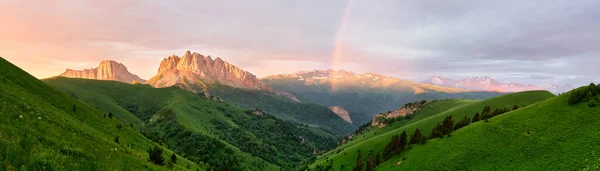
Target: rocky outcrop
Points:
(196, 71)
(257, 112)
(107, 70)
(408, 109)
(343, 113)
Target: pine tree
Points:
(156, 156)
(387, 151)
(436, 132)
(486, 110)
(395, 144)
(377, 159)
(369, 163)
(447, 125)
(174, 158)
(402, 140)
(359, 164)
(415, 137)
(476, 117)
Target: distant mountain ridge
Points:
(372, 80)
(363, 95)
(490, 84)
(106, 70)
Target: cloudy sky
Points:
(539, 42)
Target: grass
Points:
(39, 130)
(550, 135)
(434, 108)
(346, 155)
(202, 129)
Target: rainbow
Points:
(338, 44)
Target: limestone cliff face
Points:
(407, 109)
(343, 113)
(107, 70)
(196, 70)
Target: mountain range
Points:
(354, 97)
(218, 79)
(489, 84)
(363, 95)
(210, 115)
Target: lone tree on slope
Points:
(156, 156)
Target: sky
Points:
(533, 42)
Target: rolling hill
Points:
(363, 94)
(44, 129)
(549, 135)
(374, 139)
(205, 130)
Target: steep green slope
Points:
(308, 113)
(365, 101)
(346, 155)
(44, 129)
(204, 130)
(550, 135)
(429, 110)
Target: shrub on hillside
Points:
(156, 156)
(476, 117)
(592, 103)
(584, 94)
(174, 158)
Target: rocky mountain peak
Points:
(194, 68)
(106, 70)
(341, 112)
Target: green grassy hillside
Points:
(204, 130)
(365, 101)
(346, 154)
(429, 110)
(44, 129)
(309, 113)
(550, 135)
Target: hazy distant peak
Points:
(106, 70)
(486, 83)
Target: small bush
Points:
(174, 158)
(117, 140)
(156, 156)
(592, 103)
